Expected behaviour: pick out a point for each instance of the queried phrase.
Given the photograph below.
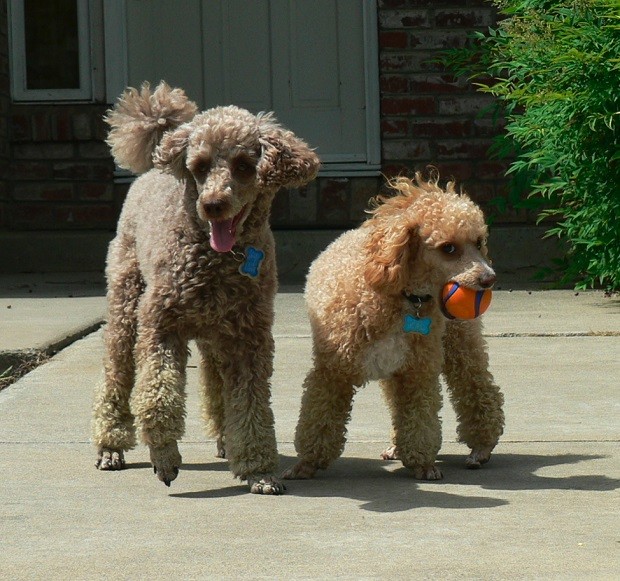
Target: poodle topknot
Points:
(194, 258)
(139, 120)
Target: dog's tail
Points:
(139, 120)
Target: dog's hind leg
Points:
(414, 397)
(321, 430)
(476, 398)
(113, 423)
(212, 398)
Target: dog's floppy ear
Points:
(170, 154)
(390, 252)
(286, 160)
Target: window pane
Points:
(52, 44)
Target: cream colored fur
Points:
(414, 243)
(215, 171)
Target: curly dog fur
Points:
(175, 272)
(358, 292)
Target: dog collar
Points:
(417, 300)
(415, 323)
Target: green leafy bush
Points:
(555, 68)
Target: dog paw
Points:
(220, 448)
(301, 471)
(390, 454)
(478, 457)
(265, 485)
(166, 462)
(108, 459)
(427, 472)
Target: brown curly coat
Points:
(173, 274)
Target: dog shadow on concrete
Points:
(386, 486)
(389, 487)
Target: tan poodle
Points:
(193, 258)
(373, 301)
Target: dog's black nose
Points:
(487, 280)
(214, 209)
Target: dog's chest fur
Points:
(387, 355)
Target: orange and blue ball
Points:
(460, 302)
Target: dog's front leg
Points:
(414, 397)
(249, 430)
(159, 398)
(476, 398)
(113, 422)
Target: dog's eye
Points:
(243, 169)
(202, 168)
(448, 248)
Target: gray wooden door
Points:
(307, 60)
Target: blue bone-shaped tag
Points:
(413, 324)
(253, 259)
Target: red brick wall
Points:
(428, 115)
(325, 203)
(60, 174)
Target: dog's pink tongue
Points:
(222, 236)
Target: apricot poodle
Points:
(373, 301)
(193, 258)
